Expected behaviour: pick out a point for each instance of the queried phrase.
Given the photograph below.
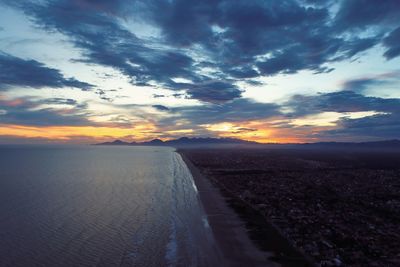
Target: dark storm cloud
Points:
(376, 82)
(359, 85)
(356, 45)
(160, 107)
(184, 22)
(392, 42)
(60, 101)
(363, 13)
(211, 91)
(343, 101)
(237, 110)
(239, 39)
(31, 73)
(386, 124)
(255, 82)
(104, 41)
(236, 32)
(240, 72)
(41, 117)
(380, 16)
(313, 53)
(22, 111)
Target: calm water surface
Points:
(100, 206)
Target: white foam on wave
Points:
(189, 174)
(194, 185)
(205, 222)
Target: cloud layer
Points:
(205, 50)
(31, 73)
(234, 40)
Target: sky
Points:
(84, 71)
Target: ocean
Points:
(100, 206)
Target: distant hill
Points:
(114, 143)
(183, 141)
(209, 141)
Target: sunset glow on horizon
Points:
(93, 134)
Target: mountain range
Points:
(209, 141)
(183, 141)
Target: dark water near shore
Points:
(100, 206)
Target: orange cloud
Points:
(265, 132)
(65, 133)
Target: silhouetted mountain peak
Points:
(115, 143)
(156, 141)
(184, 141)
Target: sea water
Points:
(100, 206)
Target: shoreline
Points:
(242, 234)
